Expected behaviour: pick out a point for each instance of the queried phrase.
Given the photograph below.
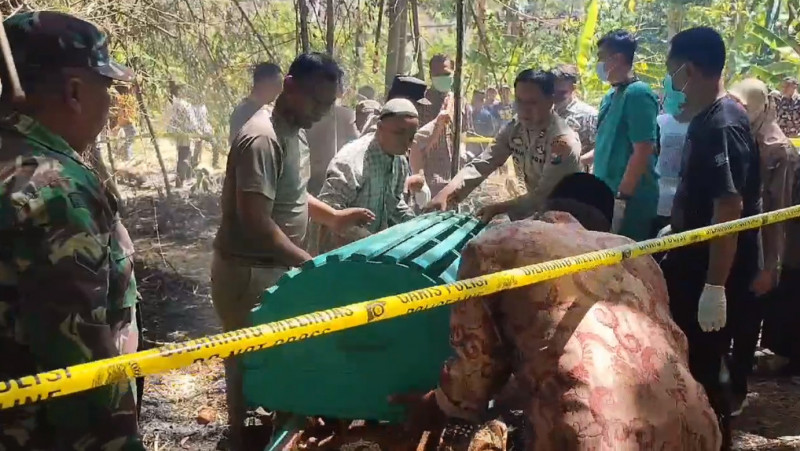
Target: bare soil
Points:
(174, 239)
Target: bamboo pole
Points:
(458, 87)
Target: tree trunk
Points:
(329, 25)
(395, 54)
(402, 35)
(303, 10)
(417, 40)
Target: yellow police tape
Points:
(478, 140)
(61, 382)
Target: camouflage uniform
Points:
(582, 118)
(66, 273)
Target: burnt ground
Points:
(173, 242)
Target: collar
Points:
(375, 149)
(624, 84)
(35, 131)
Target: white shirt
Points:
(673, 136)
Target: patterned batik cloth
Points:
(597, 360)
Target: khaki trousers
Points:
(235, 290)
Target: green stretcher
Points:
(350, 374)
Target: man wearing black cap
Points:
(403, 87)
(69, 294)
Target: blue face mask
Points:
(600, 69)
(673, 99)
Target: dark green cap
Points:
(47, 40)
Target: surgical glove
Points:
(619, 215)
(664, 232)
(423, 196)
(712, 309)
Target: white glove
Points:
(423, 196)
(619, 215)
(712, 309)
(664, 232)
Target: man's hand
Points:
(424, 413)
(712, 308)
(438, 203)
(764, 282)
(487, 212)
(349, 217)
(414, 183)
(619, 215)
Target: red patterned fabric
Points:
(597, 360)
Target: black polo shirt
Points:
(720, 158)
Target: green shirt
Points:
(68, 289)
(627, 116)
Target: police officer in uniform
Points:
(543, 147)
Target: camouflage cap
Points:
(51, 40)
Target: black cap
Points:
(411, 88)
(46, 40)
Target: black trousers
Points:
(707, 350)
(782, 318)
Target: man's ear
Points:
(73, 93)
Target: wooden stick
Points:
(17, 93)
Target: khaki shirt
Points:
(541, 157)
(268, 157)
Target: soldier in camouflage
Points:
(66, 274)
(579, 115)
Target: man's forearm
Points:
(637, 165)
(288, 253)
(722, 251)
(321, 212)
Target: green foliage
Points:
(210, 47)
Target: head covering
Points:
(760, 106)
(367, 107)
(585, 189)
(399, 107)
(411, 88)
(47, 40)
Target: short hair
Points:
(545, 80)
(620, 41)
(478, 92)
(701, 46)
(265, 71)
(315, 64)
(567, 72)
(439, 58)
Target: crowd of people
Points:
(628, 357)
